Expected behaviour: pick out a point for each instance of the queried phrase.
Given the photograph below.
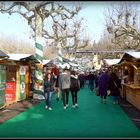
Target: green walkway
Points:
(91, 120)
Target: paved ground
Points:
(131, 111)
(16, 108)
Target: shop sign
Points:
(10, 91)
(22, 82)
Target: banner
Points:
(2, 84)
(10, 91)
(39, 68)
(22, 83)
(39, 78)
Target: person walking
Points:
(74, 88)
(57, 89)
(115, 86)
(103, 84)
(91, 79)
(48, 89)
(64, 85)
(32, 84)
(81, 78)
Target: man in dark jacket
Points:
(81, 78)
(91, 78)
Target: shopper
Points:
(64, 85)
(103, 84)
(74, 88)
(48, 89)
(115, 86)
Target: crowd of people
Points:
(66, 82)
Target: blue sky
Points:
(92, 12)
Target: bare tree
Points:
(122, 23)
(69, 34)
(36, 13)
(76, 42)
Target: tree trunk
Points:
(38, 37)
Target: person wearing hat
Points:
(91, 79)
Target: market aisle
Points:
(91, 120)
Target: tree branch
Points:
(2, 9)
(43, 4)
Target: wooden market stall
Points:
(113, 64)
(130, 64)
(18, 73)
(3, 56)
(25, 64)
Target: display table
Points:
(131, 93)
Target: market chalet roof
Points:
(126, 56)
(130, 55)
(3, 55)
(112, 61)
(19, 57)
(134, 54)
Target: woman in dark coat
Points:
(74, 88)
(48, 89)
(103, 84)
(115, 86)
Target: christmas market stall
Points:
(130, 64)
(113, 64)
(18, 76)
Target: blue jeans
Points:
(91, 85)
(48, 98)
(115, 98)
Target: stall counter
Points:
(131, 93)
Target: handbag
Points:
(108, 92)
